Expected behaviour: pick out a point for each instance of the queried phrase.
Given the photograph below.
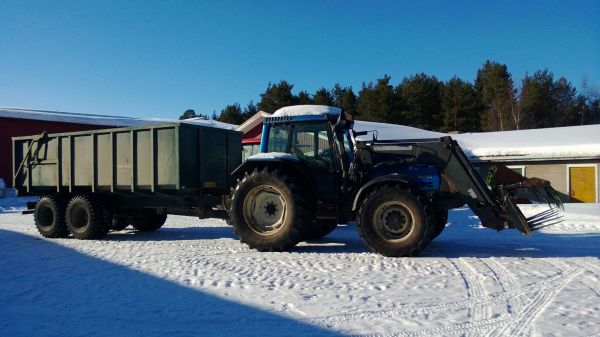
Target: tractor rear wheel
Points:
(392, 222)
(49, 216)
(269, 210)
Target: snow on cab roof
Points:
(561, 143)
(298, 110)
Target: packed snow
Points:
(194, 278)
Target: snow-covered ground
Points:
(193, 278)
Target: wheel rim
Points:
(265, 209)
(79, 217)
(45, 217)
(393, 221)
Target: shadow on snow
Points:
(48, 289)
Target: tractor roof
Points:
(304, 113)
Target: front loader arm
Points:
(496, 207)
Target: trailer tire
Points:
(283, 211)
(49, 217)
(86, 217)
(148, 220)
(392, 222)
(320, 228)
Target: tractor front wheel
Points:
(392, 222)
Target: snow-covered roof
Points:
(70, 117)
(209, 123)
(562, 143)
(104, 120)
(387, 131)
(253, 121)
(296, 110)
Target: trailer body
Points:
(177, 165)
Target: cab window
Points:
(311, 143)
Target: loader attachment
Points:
(514, 188)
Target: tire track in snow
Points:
(507, 324)
(473, 286)
(523, 321)
(507, 281)
(498, 297)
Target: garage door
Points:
(582, 181)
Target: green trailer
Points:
(95, 181)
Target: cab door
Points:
(312, 144)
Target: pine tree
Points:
(323, 97)
(377, 102)
(344, 98)
(421, 98)
(565, 103)
(250, 110)
(232, 114)
(189, 113)
(496, 92)
(304, 98)
(536, 100)
(461, 108)
(277, 96)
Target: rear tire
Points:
(148, 220)
(392, 222)
(49, 216)
(269, 210)
(86, 218)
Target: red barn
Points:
(22, 122)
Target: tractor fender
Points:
(381, 180)
(285, 162)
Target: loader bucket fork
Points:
(514, 188)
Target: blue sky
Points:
(158, 58)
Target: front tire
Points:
(49, 216)
(269, 210)
(440, 219)
(392, 222)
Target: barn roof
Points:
(561, 143)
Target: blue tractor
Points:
(314, 171)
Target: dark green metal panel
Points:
(170, 158)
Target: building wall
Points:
(556, 172)
(13, 127)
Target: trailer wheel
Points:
(392, 222)
(439, 223)
(320, 228)
(269, 210)
(49, 216)
(148, 220)
(86, 218)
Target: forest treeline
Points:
(493, 102)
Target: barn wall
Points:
(556, 173)
(13, 127)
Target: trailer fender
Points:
(381, 180)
